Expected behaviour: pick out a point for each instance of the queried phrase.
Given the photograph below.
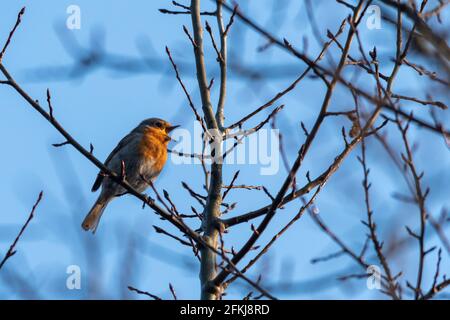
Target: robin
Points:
(141, 155)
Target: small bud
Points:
(330, 34)
(373, 54)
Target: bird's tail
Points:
(92, 219)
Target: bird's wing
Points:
(125, 140)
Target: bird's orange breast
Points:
(153, 146)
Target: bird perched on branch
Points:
(139, 158)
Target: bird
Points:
(140, 156)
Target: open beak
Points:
(171, 128)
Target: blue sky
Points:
(101, 107)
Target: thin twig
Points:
(11, 250)
(11, 33)
(145, 293)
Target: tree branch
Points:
(11, 250)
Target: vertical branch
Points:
(378, 246)
(201, 66)
(223, 63)
(401, 55)
(211, 211)
(420, 200)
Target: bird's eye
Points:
(159, 125)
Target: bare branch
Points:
(11, 250)
(145, 293)
(18, 21)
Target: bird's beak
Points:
(171, 128)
